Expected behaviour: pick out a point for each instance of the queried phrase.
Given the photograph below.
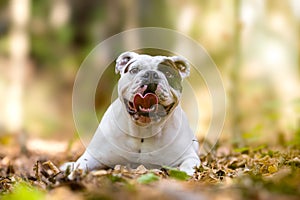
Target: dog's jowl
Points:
(146, 124)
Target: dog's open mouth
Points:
(145, 104)
(142, 104)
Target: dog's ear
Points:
(181, 65)
(122, 61)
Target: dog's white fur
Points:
(120, 140)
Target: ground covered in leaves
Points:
(226, 173)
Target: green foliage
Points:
(288, 183)
(115, 178)
(296, 139)
(296, 105)
(253, 149)
(65, 34)
(260, 147)
(254, 133)
(177, 174)
(242, 150)
(148, 178)
(23, 190)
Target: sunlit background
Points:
(254, 43)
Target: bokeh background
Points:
(254, 43)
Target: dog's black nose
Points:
(151, 76)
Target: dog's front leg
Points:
(189, 164)
(86, 163)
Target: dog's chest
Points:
(143, 145)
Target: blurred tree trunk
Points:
(235, 90)
(60, 13)
(131, 13)
(18, 51)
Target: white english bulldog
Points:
(145, 125)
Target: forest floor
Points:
(226, 173)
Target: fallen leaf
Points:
(148, 178)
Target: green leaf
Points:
(147, 178)
(260, 147)
(23, 190)
(115, 178)
(177, 174)
(242, 150)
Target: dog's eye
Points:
(134, 70)
(169, 74)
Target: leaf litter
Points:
(248, 173)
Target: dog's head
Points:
(150, 87)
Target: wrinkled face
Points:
(150, 87)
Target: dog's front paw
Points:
(189, 166)
(69, 169)
(68, 166)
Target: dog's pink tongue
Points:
(145, 101)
